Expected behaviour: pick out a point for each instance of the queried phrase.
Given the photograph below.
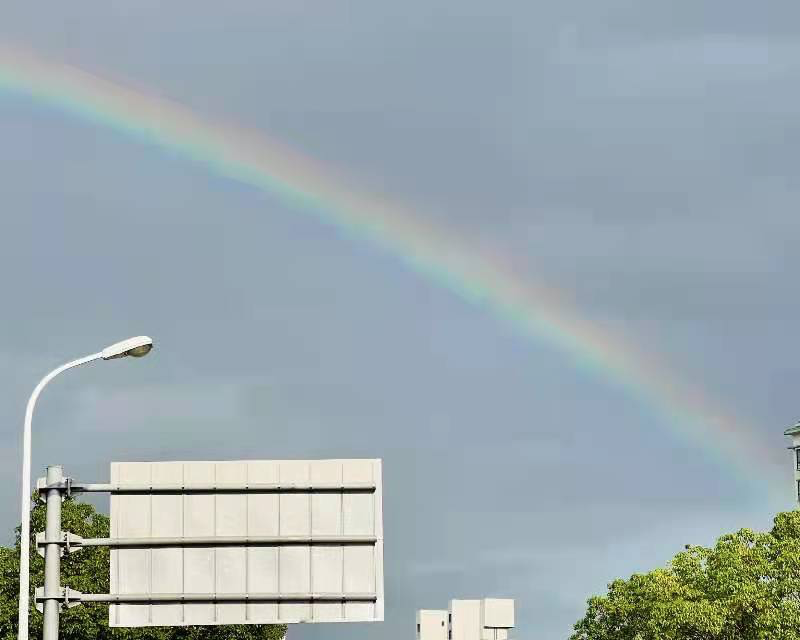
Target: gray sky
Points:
(641, 156)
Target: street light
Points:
(135, 347)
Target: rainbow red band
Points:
(535, 311)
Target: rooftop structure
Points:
(794, 434)
(487, 619)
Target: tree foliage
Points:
(746, 587)
(87, 571)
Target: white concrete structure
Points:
(794, 434)
(487, 619)
(465, 619)
(432, 624)
(497, 617)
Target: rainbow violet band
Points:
(435, 253)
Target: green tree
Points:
(746, 587)
(87, 571)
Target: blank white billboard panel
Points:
(246, 542)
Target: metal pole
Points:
(298, 487)
(71, 597)
(25, 498)
(220, 541)
(128, 598)
(52, 555)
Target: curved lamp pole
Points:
(136, 347)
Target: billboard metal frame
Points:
(54, 543)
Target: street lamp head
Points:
(134, 347)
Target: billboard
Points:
(246, 542)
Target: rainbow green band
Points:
(435, 253)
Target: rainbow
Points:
(535, 311)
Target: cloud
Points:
(639, 156)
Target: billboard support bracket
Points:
(351, 510)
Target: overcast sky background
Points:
(640, 155)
